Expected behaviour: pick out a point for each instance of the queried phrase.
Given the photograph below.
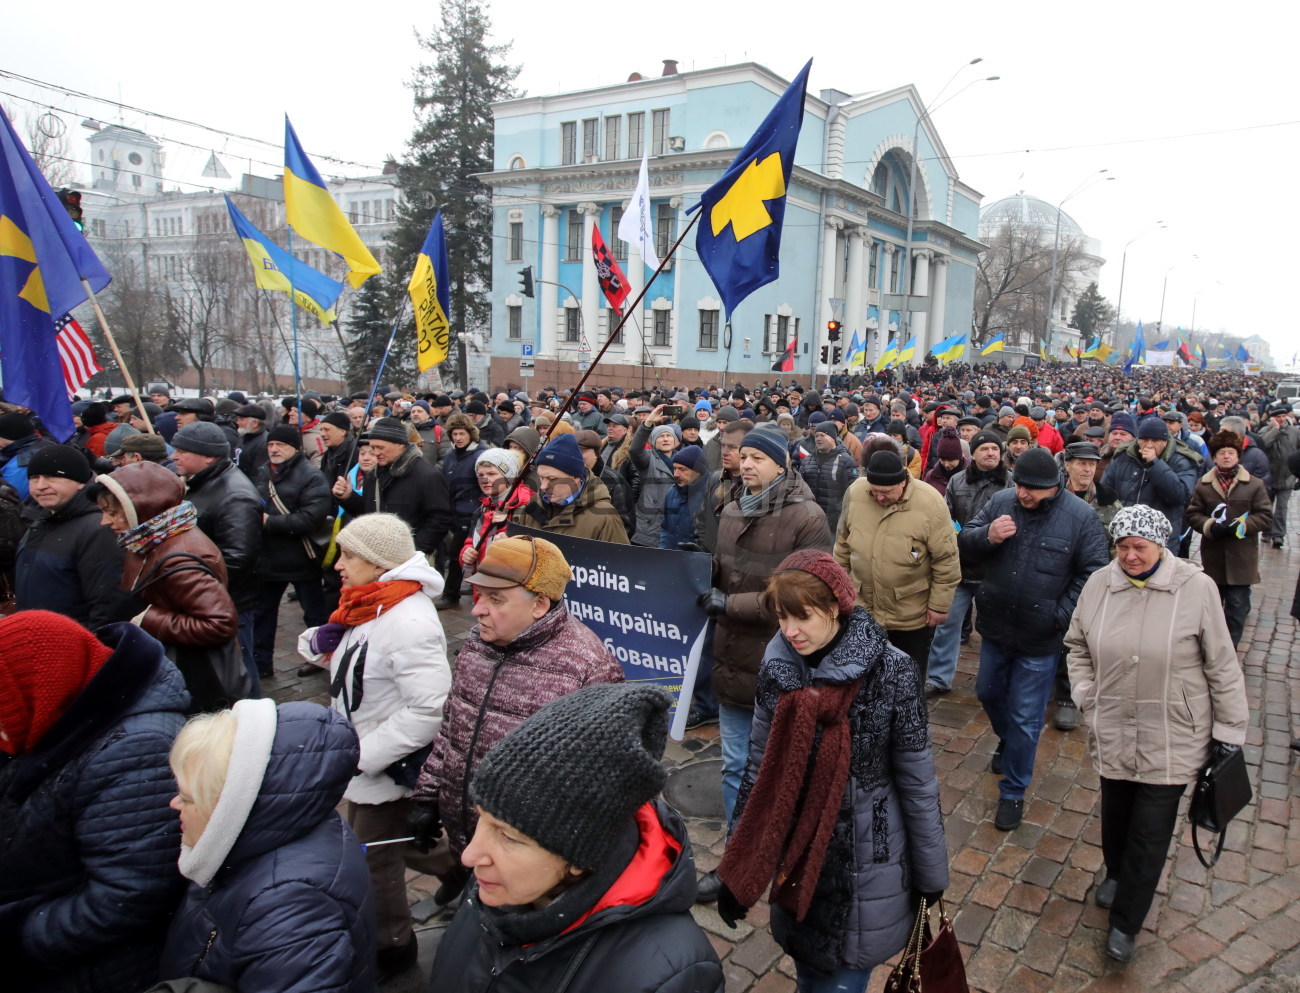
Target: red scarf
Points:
(359, 604)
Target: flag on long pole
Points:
(431, 298)
(76, 356)
(786, 362)
(997, 343)
(635, 226)
(888, 357)
(612, 281)
(276, 269)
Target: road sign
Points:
(526, 349)
(584, 366)
(525, 367)
(584, 345)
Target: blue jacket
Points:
(14, 458)
(1165, 485)
(681, 506)
(291, 910)
(88, 845)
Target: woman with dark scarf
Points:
(951, 461)
(838, 810)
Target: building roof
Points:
(1026, 210)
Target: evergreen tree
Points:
(1093, 314)
(369, 323)
(453, 140)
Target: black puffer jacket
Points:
(252, 454)
(88, 845)
(1165, 484)
(302, 489)
(1032, 580)
(828, 475)
(462, 482)
(967, 493)
(648, 946)
(230, 513)
(412, 489)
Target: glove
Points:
(424, 824)
(930, 898)
(326, 638)
(1221, 529)
(713, 602)
(1220, 750)
(688, 546)
(730, 909)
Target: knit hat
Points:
(871, 398)
(658, 432)
(14, 426)
(503, 460)
(1153, 429)
(526, 438)
(828, 428)
(727, 414)
(113, 442)
(1019, 431)
(949, 445)
(475, 408)
(573, 775)
(885, 468)
(533, 563)
(148, 446)
(46, 660)
(384, 539)
(985, 438)
(337, 419)
(285, 434)
(703, 404)
(768, 442)
(1028, 424)
(204, 438)
(692, 456)
(562, 453)
(1141, 521)
(389, 429)
(1037, 470)
(824, 567)
(1225, 439)
(1005, 411)
(1124, 422)
(688, 422)
(816, 417)
(62, 461)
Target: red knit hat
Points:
(46, 660)
(1029, 424)
(824, 567)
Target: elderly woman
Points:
(652, 450)
(1154, 672)
(583, 878)
(389, 676)
(496, 470)
(839, 755)
(279, 898)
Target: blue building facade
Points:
(567, 163)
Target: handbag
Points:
(1222, 790)
(931, 962)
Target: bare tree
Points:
(1013, 280)
(47, 140)
(198, 304)
(137, 314)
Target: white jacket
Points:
(401, 658)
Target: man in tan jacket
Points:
(897, 541)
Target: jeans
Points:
(1277, 530)
(1236, 608)
(267, 615)
(1137, 824)
(946, 644)
(1014, 690)
(734, 724)
(916, 644)
(246, 651)
(843, 980)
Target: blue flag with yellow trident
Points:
(739, 237)
(430, 293)
(43, 259)
(276, 269)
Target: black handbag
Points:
(1222, 791)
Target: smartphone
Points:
(673, 410)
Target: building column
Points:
(939, 300)
(855, 311)
(675, 326)
(547, 291)
(830, 259)
(592, 298)
(917, 320)
(888, 250)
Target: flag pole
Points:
(293, 311)
(117, 355)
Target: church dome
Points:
(1027, 211)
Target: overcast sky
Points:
(1190, 106)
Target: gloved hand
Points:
(1221, 529)
(713, 601)
(930, 898)
(1220, 750)
(327, 637)
(424, 823)
(689, 546)
(730, 909)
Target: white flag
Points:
(635, 228)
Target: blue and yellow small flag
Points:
(739, 235)
(888, 357)
(950, 349)
(997, 343)
(312, 212)
(276, 269)
(908, 351)
(431, 297)
(1042, 350)
(857, 353)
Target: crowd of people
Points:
(162, 821)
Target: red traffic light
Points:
(833, 330)
(71, 200)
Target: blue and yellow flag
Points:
(739, 235)
(950, 349)
(908, 351)
(431, 297)
(1091, 351)
(312, 212)
(997, 343)
(888, 357)
(43, 259)
(857, 353)
(1042, 350)
(276, 269)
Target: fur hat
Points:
(463, 422)
(824, 567)
(384, 539)
(1225, 439)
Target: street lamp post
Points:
(1056, 244)
(1163, 287)
(1119, 303)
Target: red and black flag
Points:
(786, 362)
(612, 280)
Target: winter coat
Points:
(1102, 499)
(1050, 438)
(903, 558)
(431, 439)
(462, 481)
(291, 909)
(828, 475)
(491, 431)
(967, 493)
(1256, 462)
(313, 445)
(938, 477)
(748, 551)
(96, 436)
(593, 420)
(302, 489)
(390, 677)
(1278, 444)
(1165, 485)
(1231, 561)
(1032, 579)
(412, 489)
(338, 460)
(889, 838)
(1154, 672)
(252, 455)
(14, 458)
(484, 529)
(230, 513)
(71, 564)
(629, 943)
(656, 480)
(493, 690)
(618, 495)
(591, 515)
(681, 510)
(88, 844)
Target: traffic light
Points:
(833, 330)
(837, 352)
(526, 280)
(826, 351)
(71, 200)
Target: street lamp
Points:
(1163, 287)
(1119, 303)
(1056, 244)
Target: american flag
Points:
(75, 354)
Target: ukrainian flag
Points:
(312, 212)
(739, 234)
(888, 357)
(857, 355)
(1042, 350)
(276, 269)
(995, 344)
(908, 351)
(431, 297)
(950, 349)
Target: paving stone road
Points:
(1023, 899)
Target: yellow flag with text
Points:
(431, 299)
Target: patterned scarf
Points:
(156, 530)
(359, 604)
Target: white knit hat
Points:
(383, 539)
(506, 461)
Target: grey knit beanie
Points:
(573, 775)
(202, 438)
(384, 539)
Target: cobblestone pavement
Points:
(1023, 899)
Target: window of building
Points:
(873, 266)
(708, 329)
(516, 241)
(98, 228)
(573, 249)
(611, 322)
(568, 142)
(893, 270)
(665, 228)
(662, 328)
(611, 138)
(782, 332)
(658, 132)
(635, 135)
(618, 244)
(591, 139)
(514, 323)
(135, 179)
(572, 324)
